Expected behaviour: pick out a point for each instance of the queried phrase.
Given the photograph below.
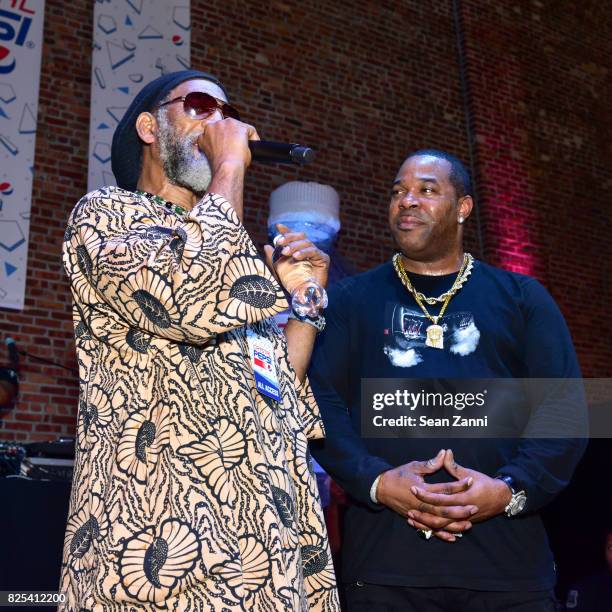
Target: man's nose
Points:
(215, 116)
(408, 200)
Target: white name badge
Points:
(261, 352)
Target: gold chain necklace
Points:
(435, 332)
(459, 281)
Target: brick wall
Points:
(48, 395)
(539, 73)
(364, 83)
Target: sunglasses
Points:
(199, 105)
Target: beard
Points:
(181, 165)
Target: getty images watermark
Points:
(486, 408)
(429, 401)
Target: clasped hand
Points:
(447, 508)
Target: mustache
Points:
(411, 215)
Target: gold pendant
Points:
(435, 336)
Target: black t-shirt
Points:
(499, 325)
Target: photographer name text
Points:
(422, 421)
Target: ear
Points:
(464, 208)
(146, 127)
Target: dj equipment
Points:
(38, 460)
(11, 457)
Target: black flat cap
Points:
(126, 151)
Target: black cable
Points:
(48, 362)
(467, 109)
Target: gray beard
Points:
(180, 165)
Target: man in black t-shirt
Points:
(441, 524)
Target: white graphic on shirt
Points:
(403, 359)
(465, 339)
(405, 345)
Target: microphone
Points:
(13, 352)
(270, 152)
(9, 380)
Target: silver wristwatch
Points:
(317, 322)
(518, 499)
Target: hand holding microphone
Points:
(216, 142)
(223, 143)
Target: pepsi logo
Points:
(6, 67)
(13, 28)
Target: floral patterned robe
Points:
(191, 490)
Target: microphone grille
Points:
(302, 155)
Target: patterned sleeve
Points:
(312, 423)
(184, 279)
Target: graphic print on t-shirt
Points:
(405, 334)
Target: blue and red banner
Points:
(135, 41)
(21, 40)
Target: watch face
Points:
(517, 503)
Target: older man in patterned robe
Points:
(192, 490)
